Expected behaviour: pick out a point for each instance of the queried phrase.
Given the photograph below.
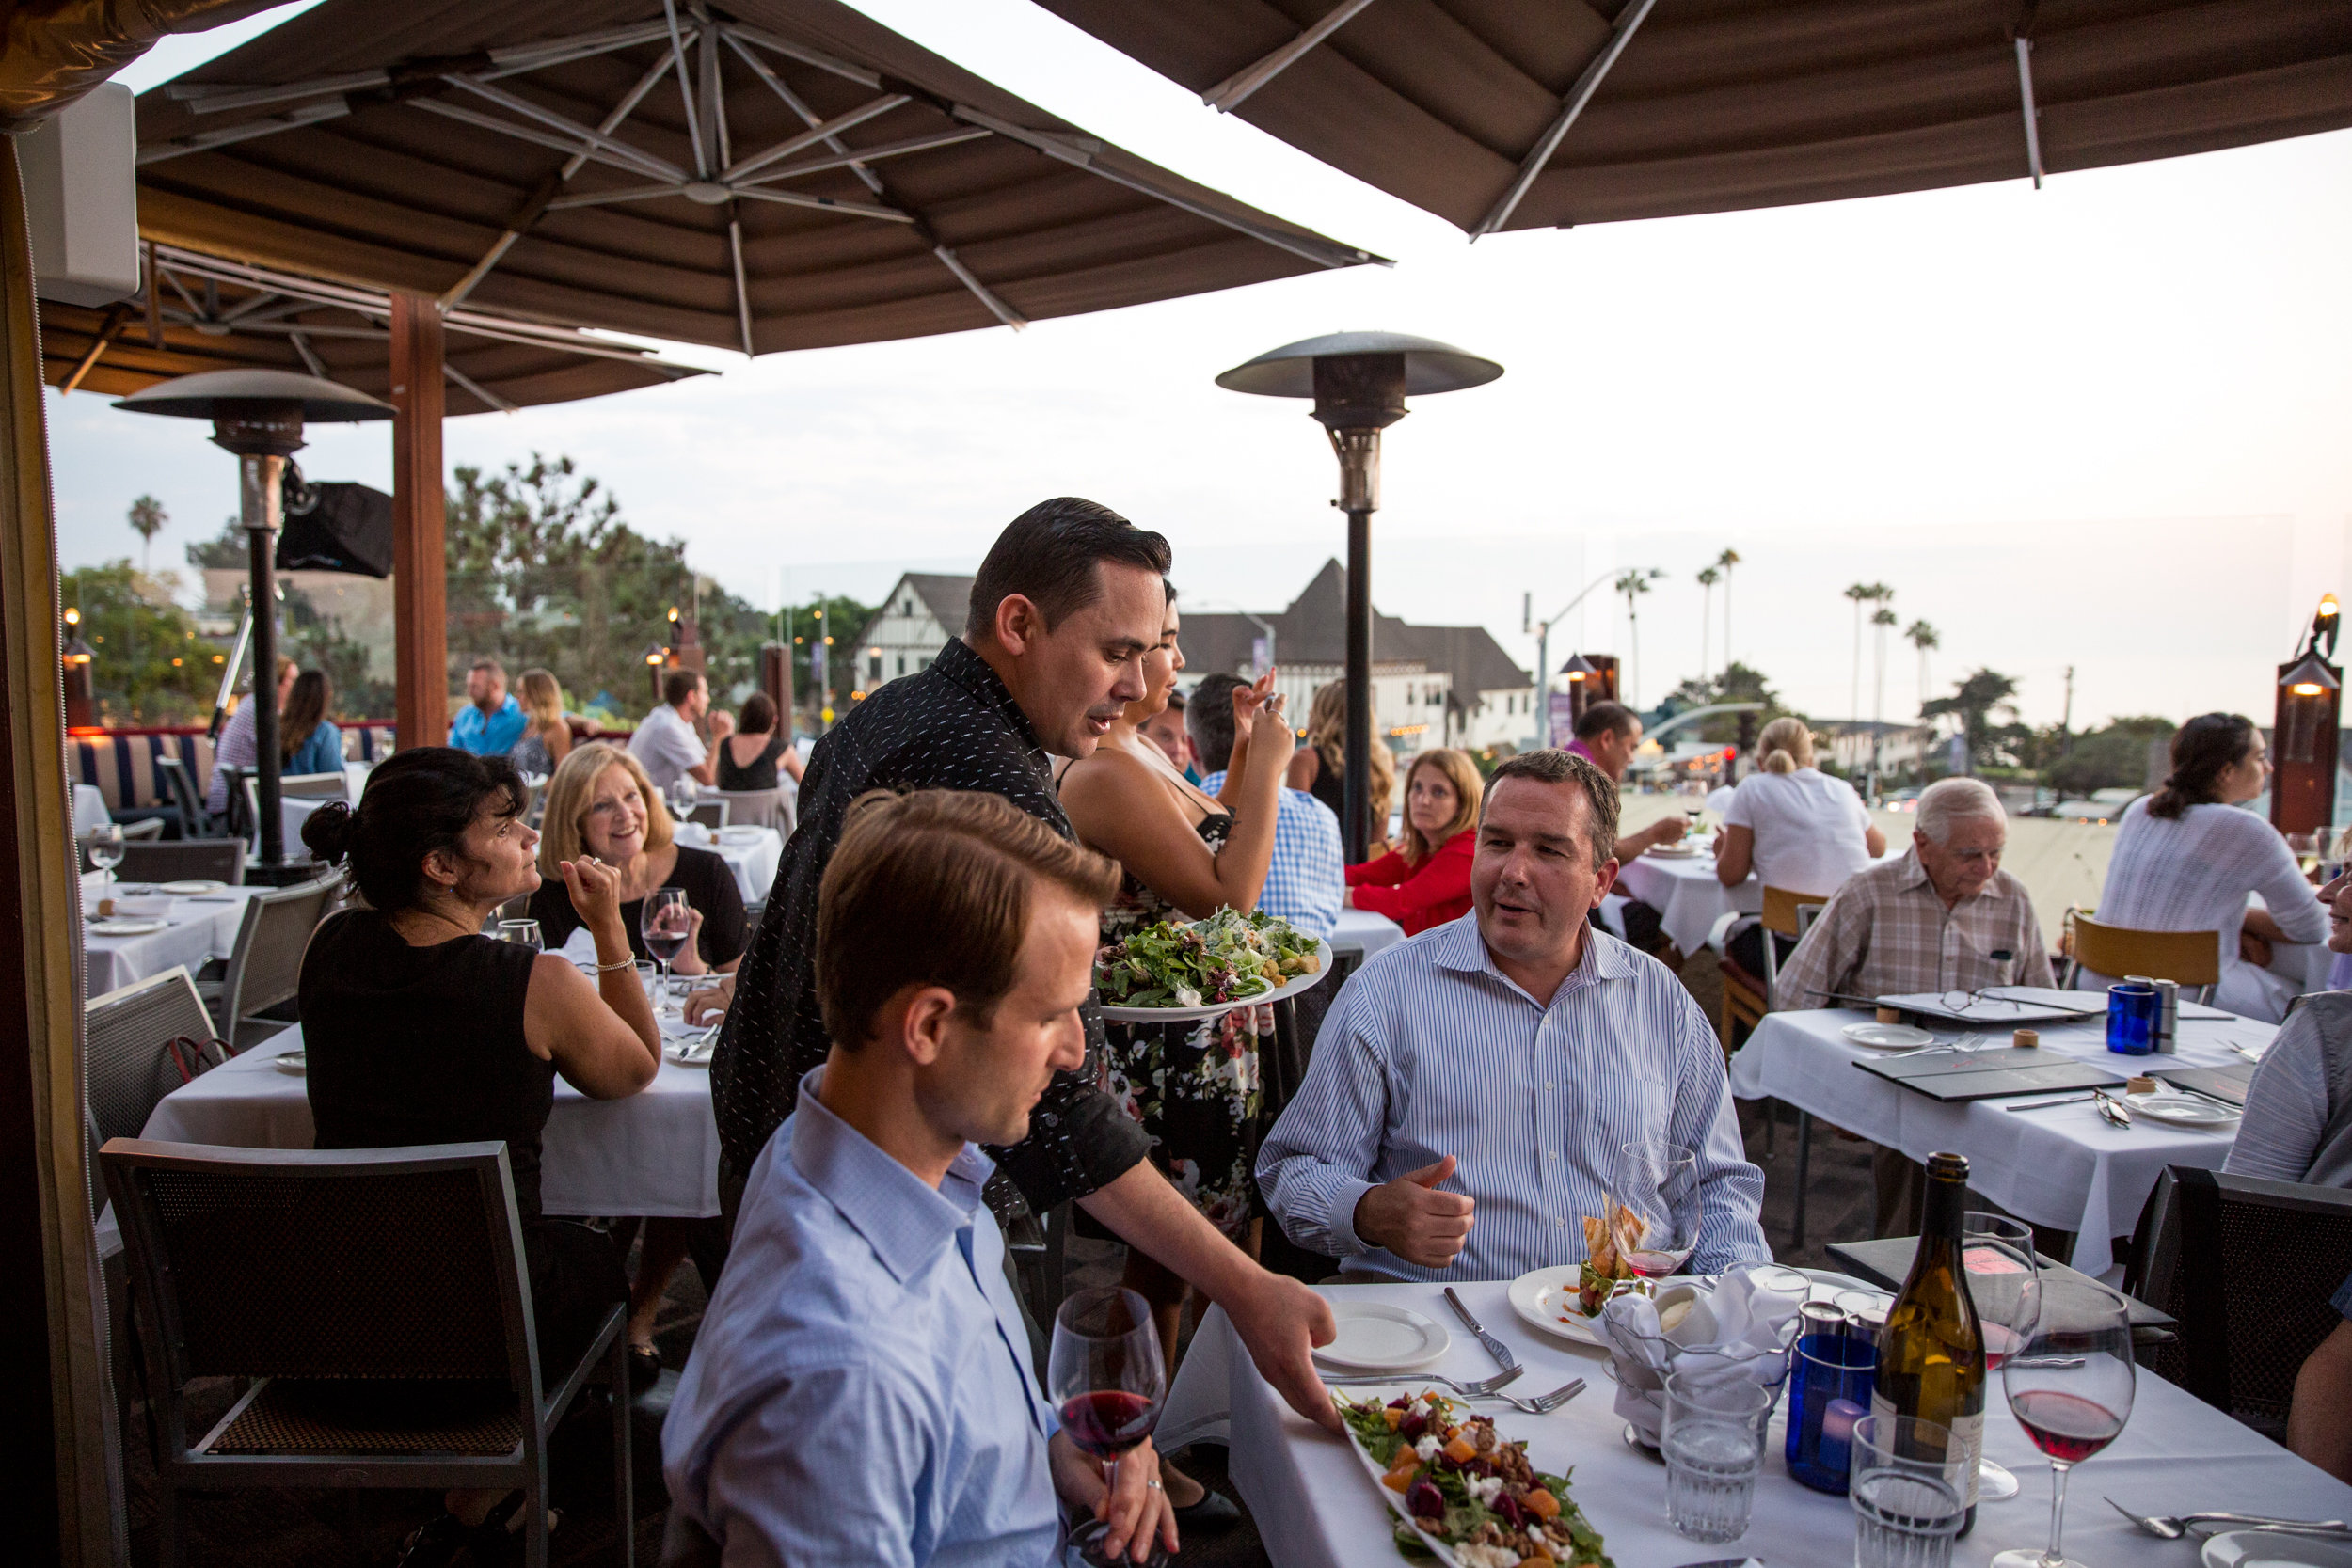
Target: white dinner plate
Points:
(190, 889)
(2248, 1548)
(1374, 1336)
(1218, 1009)
(748, 832)
(125, 928)
(1546, 1298)
(1887, 1037)
(2182, 1110)
(1675, 851)
(293, 1061)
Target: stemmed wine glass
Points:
(682, 792)
(1657, 1185)
(667, 924)
(2070, 1385)
(1997, 1253)
(104, 846)
(525, 933)
(1106, 1376)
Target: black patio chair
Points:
(185, 860)
(2247, 1266)
(264, 968)
(352, 1273)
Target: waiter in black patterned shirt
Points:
(1068, 599)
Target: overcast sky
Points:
(2102, 425)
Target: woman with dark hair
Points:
(2186, 857)
(749, 759)
(421, 1030)
(308, 740)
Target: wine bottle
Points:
(1931, 1352)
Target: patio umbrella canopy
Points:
(212, 314)
(781, 174)
(1531, 114)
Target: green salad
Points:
(1465, 1485)
(1229, 957)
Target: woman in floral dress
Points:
(1193, 1085)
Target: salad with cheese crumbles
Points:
(1463, 1486)
(1229, 957)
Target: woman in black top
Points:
(601, 803)
(748, 759)
(421, 1030)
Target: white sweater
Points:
(2193, 874)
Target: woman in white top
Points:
(1796, 828)
(2186, 857)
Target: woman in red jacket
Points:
(1428, 881)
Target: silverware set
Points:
(2172, 1527)
(1490, 1389)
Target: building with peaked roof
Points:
(923, 611)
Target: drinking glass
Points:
(682, 791)
(1657, 1184)
(2003, 1273)
(1713, 1445)
(1107, 1377)
(525, 933)
(667, 924)
(104, 846)
(1909, 1492)
(2069, 1387)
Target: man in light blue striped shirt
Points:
(1306, 884)
(1472, 1089)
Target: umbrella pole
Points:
(1359, 781)
(261, 475)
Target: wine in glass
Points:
(523, 933)
(666, 925)
(1658, 1188)
(2001, 1268)
(104, 846)
(1107, 1377)
(2070, 1385)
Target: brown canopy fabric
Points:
(1714, 105)
(213, 315)
(780, 174)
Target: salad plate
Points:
(1457, 1488)
(2248, 1548)
(1887, 1037)
(122, 927)
(1179, 970)
(190, 889)
(1374, 1337)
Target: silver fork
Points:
(1544, 1404)
(2172, 1527)
(1483, 1389)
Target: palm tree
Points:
(148, 518)
(1859, 594)
(1923, 637)
(1633, 585)
(1709, 578)
(1725, 563)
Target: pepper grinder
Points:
(2168, 1018)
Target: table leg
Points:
(1805, 1159)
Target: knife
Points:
(1495, 1348)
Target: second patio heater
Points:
(1360, 382)
(259, 415)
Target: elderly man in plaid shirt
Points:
(1307, 879)
(1944, 917)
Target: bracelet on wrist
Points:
(615, 965)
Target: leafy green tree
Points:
(844, 618)
(1734, 683)
(1974, 702)
(226, 548)
(151, 667)
(2115, 757)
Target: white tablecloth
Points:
(753, 860)
(1364, 932)
(2065, 1166)
(655, 1152)
(89, 809)
(1686, 894)
(1316, 1507)
(199, 928)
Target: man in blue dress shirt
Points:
(491, 721)
(1472, 1089)
(861, 1389)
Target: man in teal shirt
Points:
(491, 721)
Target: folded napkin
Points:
(580, 946)
(692, 833)
(1738, 1328)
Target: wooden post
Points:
(420, 565)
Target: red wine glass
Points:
(1659, 1188)
(2071, 1387)
(1107, 1377)
(666, 924)
(2004, 1283)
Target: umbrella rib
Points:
(1628, 22)
(826, 204)
(1232, 92)
(792, 101)
(208, 98)
(856, 156)
(742, 291)
(686, 89)
(1003, 311)
(310, 357)
(606, 199)
(801, 53)
(537, 57)
(477, 389)
(538, 137)
(652, 164)
(204, 141)
(815, 133)
(2033, 116)
(714, 104)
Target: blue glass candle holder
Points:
(1829, 1390)
(2131, 1013)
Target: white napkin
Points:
(580, 946)
(692, 833)
(1739, 1328)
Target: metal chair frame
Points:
(178, 787)
(261, 973)
(705, 810)
(219, 859)
(2185, 958)
(179, 1350)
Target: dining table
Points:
(1316, 1506)
(654, 1153)
(1365, 933)
(195, 928)
(2062, 1166)
(753, 853)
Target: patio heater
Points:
(2310, 699)
(1360, 382)
(259, 415)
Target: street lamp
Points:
(1360, 382)
(259, 415)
